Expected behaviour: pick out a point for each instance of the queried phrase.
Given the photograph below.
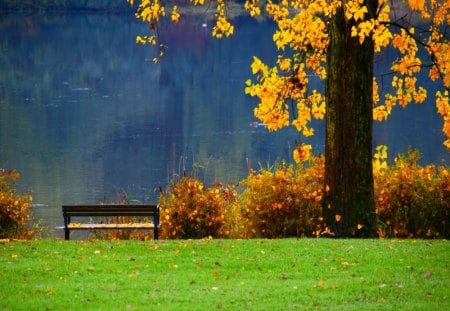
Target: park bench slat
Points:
(79, 226)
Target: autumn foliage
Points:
(284, 201)
(14, 208)
(191, 210)
(412, 201)
(286, 96)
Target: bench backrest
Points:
(111, 210)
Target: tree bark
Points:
(349, 206)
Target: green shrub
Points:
(14, 208)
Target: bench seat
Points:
(111, 210)
(80, 226)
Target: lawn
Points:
(285, 274)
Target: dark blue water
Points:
(85, 114)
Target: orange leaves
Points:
(411, 200)
(441, 69)
(302, 153)
(190, 210)
(14, 209)
(416, 4)
(283, 202)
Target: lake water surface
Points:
(86, 116)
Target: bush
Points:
(14, 209)
(284, 202)
(412, 200)
(189, 210)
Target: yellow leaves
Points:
(282, 38)
(374, 28)
(443, 108)
(14, 208)
(277, 11)
(407, 46)
(222, 28)
(272, 113)
(355, 9)
(146, 40)
(380, 159)
(252, 7)
(363, 30)
(284, 64)
(302, 153)
(274, 89)
(406, 92)
(441, 67)
(317, 105)
(175, 16)
(198, 2)
(151, 11)
(258, 66)
(407, 65)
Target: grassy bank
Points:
(287, 274)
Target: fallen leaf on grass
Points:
(284, 276)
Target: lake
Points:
(86, 116)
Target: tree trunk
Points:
(349, 206)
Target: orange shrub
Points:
(14, 208)
(189, 210)
(412, 200)
(284, 202)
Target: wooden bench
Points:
(110, 210)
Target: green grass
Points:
(287, 274)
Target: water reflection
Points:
(85, 114)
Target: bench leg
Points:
(66, 234)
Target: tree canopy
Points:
(302, 39)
